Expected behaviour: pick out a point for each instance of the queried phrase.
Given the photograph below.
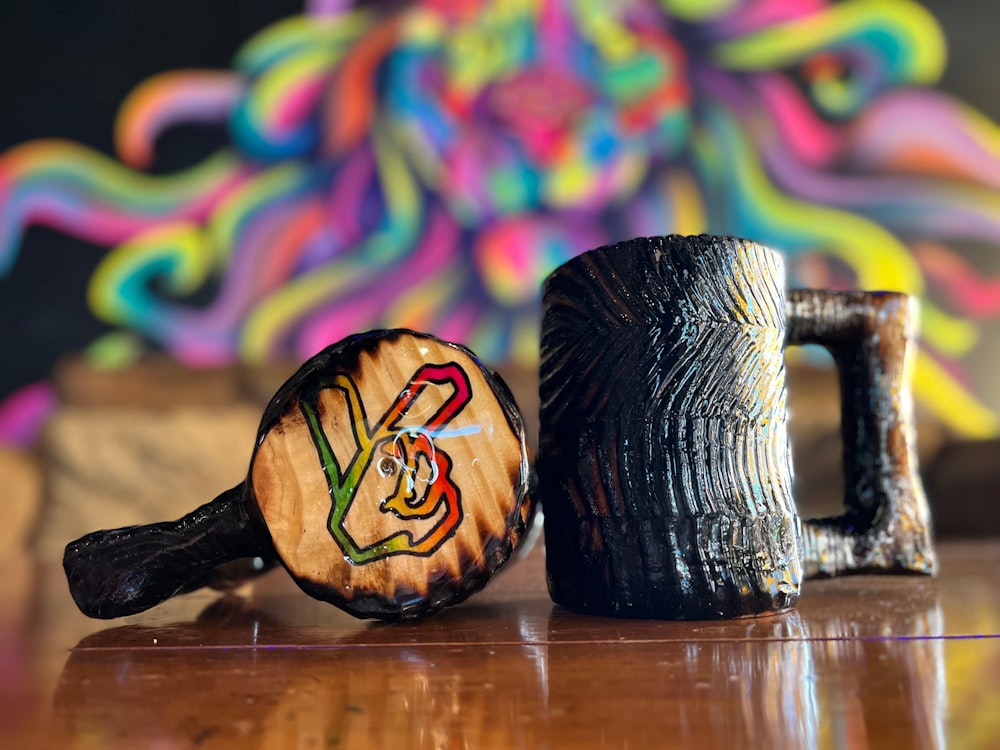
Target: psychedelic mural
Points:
(426, 164)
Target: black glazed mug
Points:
(664, 464)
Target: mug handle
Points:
(886, 524)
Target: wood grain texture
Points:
(385, 559)
(886, 525)
(663, 462)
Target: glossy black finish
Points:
(128, 570)
(663, 462)
(886, 526)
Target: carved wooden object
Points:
(664, 463)
(886, 524)
(389, 477)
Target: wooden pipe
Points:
(389, 477)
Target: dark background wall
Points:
(66, 66)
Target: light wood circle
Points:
(391, 474)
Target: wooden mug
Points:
(664, 464)
(389, 477)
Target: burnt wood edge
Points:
(886, 524)
(369, 604)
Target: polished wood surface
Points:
(900, 662)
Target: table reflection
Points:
(369, 689)
(891, 685)
(521, 675)
(748, 690)
(18, 681)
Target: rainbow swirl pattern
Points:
(428, 166)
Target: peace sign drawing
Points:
(407, 454)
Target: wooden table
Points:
(894, 662)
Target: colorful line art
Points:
(424, 486)
(425, 167)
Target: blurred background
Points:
(67, 68)
(235, 190)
